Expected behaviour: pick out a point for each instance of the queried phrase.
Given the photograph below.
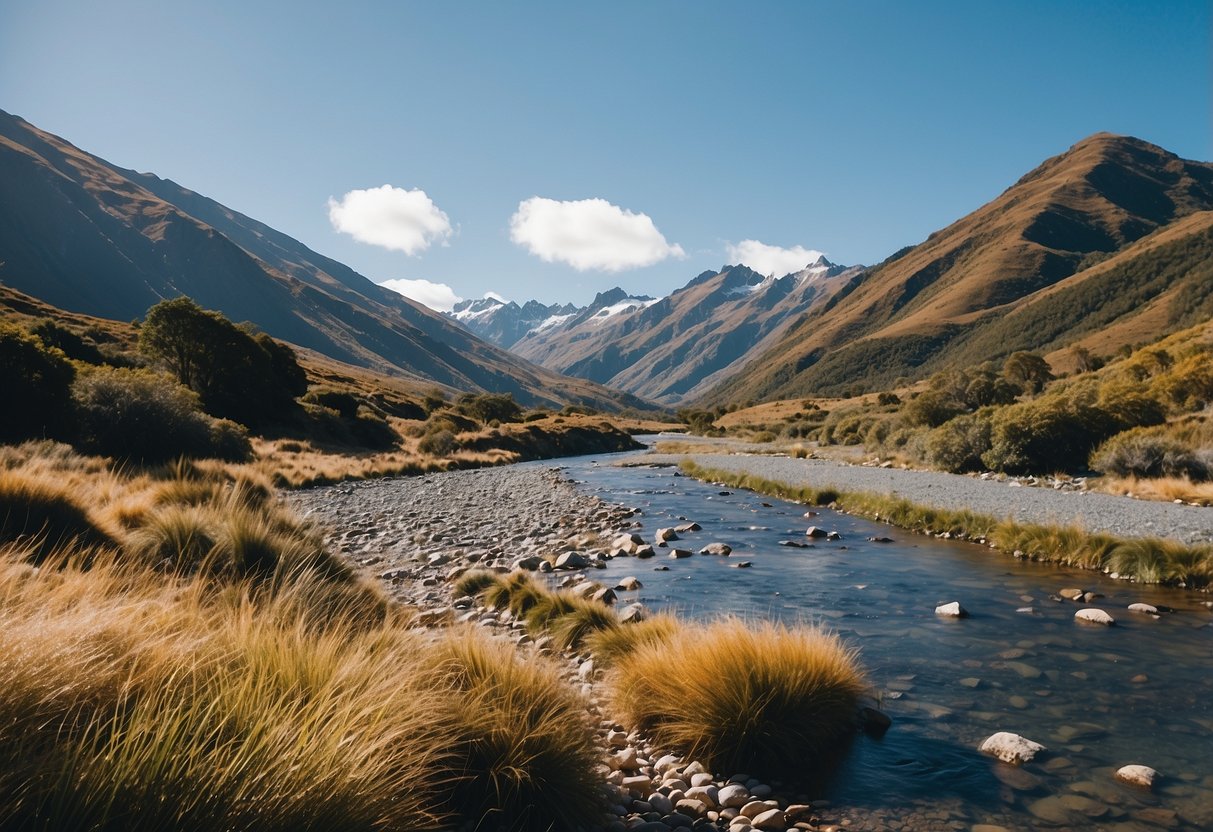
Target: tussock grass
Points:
(214, 668)
(473, 582)
(741, 695)
(1159, 488)
(1148, 560)
(583, 618)
(613, 643)
(38, 511)
(523, 737)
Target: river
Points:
(1097, 697)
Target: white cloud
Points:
(437, 296)
(775, 260)
(495, 296)
(393, 218)
(589, 234)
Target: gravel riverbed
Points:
(1121, 516)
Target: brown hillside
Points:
(928, 305)
(87, 236)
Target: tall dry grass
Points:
(742, 695)
(211, 667)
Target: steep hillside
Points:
(672, 349)
(1049, 261)
(87, 236)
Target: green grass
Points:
(1148, 560)
(742, 695)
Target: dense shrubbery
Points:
(36, 384)
(237, 373)
(1143, 452)
(145, 417)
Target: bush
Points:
(1144, 453)
(958, 444)
(1048, 435)
(145, 417)
(439, 443)
(37, 388)
(59, 337)
(931, 408)
(743, 696)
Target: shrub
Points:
(888, 399)
(146, 417)
(1051, 435)
(742, 696)
(931, 408)
(958, 444)
(439, 443)
(57, 336)
(37, 388)
(1144, 453)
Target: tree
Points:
(1028, 370)
(237, 372)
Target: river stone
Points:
(606, 595)
(1135, 775)
(1011, 748)
(691, 807)
(629, 584)
(1092, 615)
(716, 549)
(660, 803)
(1071, 593)
(627, 542)
(645, 551)
(1148, 609)
(815, 531)
(688, 527)
(681, 553)
(632, 614)
(666, 535)
(953, 609)
(572, 560)
(742, 564)
(707, 793)
(733, 797)
(638, 783)
(530, 563)
(772, 819)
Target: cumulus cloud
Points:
(775, 260)
(589, 234)
(390, 217)
(437, 296)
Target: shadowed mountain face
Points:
(671, 350)
(87, 236)
(1110, 236)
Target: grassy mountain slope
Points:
(1060, 240)
(87, 236)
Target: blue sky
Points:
(564, 148)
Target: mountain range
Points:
(1105, 245)
(87, 236)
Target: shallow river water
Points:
(1097, 697)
